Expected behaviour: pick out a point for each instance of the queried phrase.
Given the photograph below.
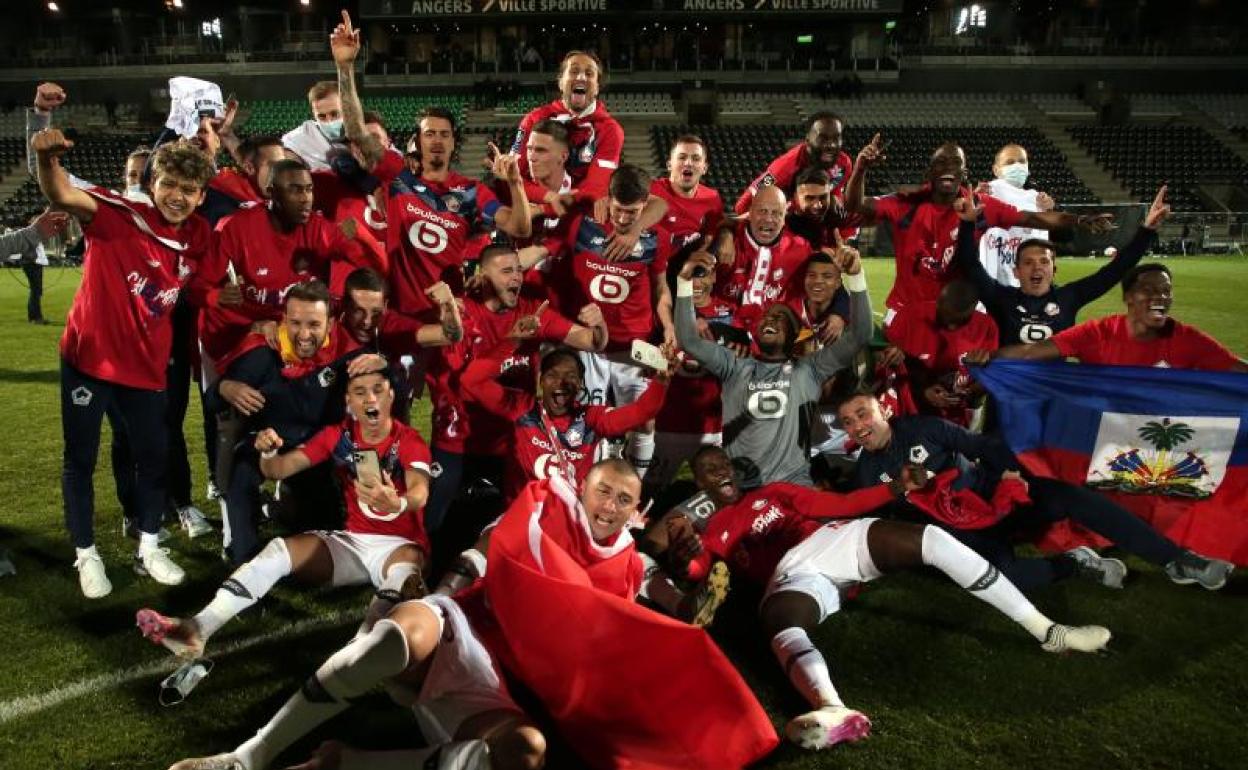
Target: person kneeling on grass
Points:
(799, 543)
(383, 468)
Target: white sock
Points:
(657, 587)
(148, 541)
(84, 552)
(971, 571)
(805, 667)
(409, 759)
(388, 594)
(640, 451)
(466, 568)
(348, 673)
(245, 587)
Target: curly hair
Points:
(183, 160)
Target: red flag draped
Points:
(628, 688)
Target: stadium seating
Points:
(1231, 110)
(1143, 156)
(740, 153)
(918, 109)
(1062, 105)
(80, 116)
(399, 112)
(745, 103)
(98, 159)
(1155, 106)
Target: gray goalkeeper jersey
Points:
(769, 406)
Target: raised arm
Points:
(856, 200)
(1090, 287)
(616, 421)
(479, 385)
(840, 354)
(715, 358)
(966, 255)
(278, 466)
(54, 183)
(517, 219)
(344, 44)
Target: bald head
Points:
(767, 214)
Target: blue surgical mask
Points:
(331, 129)
(1015, 174)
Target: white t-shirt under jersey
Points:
(998, 247)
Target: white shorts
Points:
(359, 558)
(670, 452)
(463, 680)
(833, 558)
(612, 378)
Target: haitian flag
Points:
(1169, 445)
(629, 689)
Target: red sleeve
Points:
(521, 140)
(327, 190)
(907, 332)
(616, 421)
(606, 160)
(831, 505)
(662, 254)
(479, 385)
(553, 326)
(1079, 339)
(1207, 353)
(389, 167)
(209, 275)
(414, 452)
(715, 218)
(361, 251)
(319, 448)
(998, 213)
(890, 208)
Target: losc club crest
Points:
(451, 202)
(1148, 454)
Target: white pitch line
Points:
(32, 704)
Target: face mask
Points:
(331, 130)
(1015, 174)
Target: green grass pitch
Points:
(947, 682)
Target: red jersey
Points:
(349, 192)
(623, 290)
(596, 143)
(693, 402)
(782, 172)
(403, 448)
(546, 224)
(468, 427)
(914, 329)
(924, 237)
(689, 218)
(120, 325)
(429, 225)
(753, 534)
(761, 275)
(1108, 341)
(577, 432)
(236, 185)
(266, 262)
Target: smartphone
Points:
(367, 467)
(648, 355)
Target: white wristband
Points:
(268, 455)
(402, 504)
(856, 282)
(684, 287)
